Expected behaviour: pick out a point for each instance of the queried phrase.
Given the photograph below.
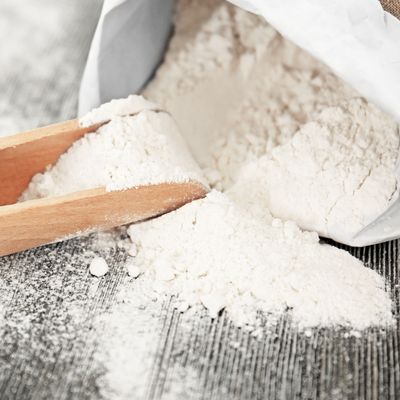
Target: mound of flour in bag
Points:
(331, 178)
(243, 94)
(283, 137)
(217, 253)
(131, 150)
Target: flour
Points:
(132, 269)
(24, 80)
(132, 250)
(127, 152)
(128, 342)
(336, 175)
(98, 267)
(280, 139)
(328, 149)
(244, 265)
(117, 107)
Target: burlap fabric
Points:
(392, 6)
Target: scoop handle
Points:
(37, 222)
(25, 154)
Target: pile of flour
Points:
(141, 148)
(214, 252)
(283, 138)
(280, 139)
(243, 94)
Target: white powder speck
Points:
(132, 269)
(98, 267)
(132, 250)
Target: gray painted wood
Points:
(49, 305)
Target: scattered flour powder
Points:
(279, 138)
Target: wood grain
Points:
(34, 223)
(25, 154)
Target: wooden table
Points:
(67, 335)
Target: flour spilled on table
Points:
(277, 136)
(244, 265)
(129, 341)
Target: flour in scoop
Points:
(132, 105)
(140, 149)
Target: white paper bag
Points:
(356, 38)
(128, 45)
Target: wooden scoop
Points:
(36, 222)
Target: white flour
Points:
(337, 173)
(132, 269)
(128, 342)
(244, 265)
(129, 151)
(23, 80)
(282, 137)
(119, 107)
(239, 92)
(98, 267)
